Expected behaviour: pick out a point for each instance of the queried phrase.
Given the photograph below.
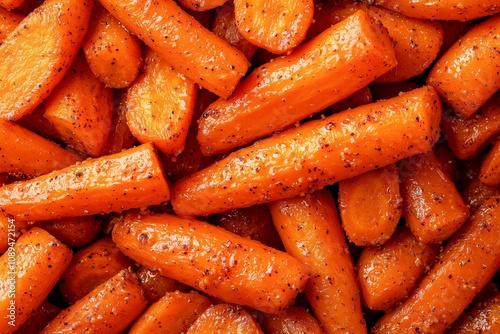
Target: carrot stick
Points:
(311, 232)
(307, 158)
(156, 286)
(483, 318)
(109, 308)
(293, 320)
(191, 49)
(125, 180)
(275, 95)
(201, 5)
(30, 71)
(215, 261)
(9, 20)
(28, 271)
(490, 172)
(466, 265)
(73, 231)
(172, 314)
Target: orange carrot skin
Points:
(126, 180)
(311, 232)
(10, 4)
(448, 161)
(483, 318)
(8, 21)
(201, 5)
(466, 265)
(275, 95)
(293, 320)
(30, 71)
(490, 172)
(174, 313)
(191, 49)
(39, 318)
(453, 30)
(73, 231)
(109, 308)
(468, 74)
(476, 193)
(307, 158)
(36, 122)
(156, 286)
(26, 154)
(213, 260)
(40, 259)
(10, 228)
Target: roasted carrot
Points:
(476, 193)
(483, 318)
(26, 154)
(466, 265)
(9, 20)
(174, 313)
(432, 206)
(160, 105)
(225, 318)
(389, 273)
(37, 321)
(125, 180)
(10, 4)
(28, 271)
(109, 308)
(113, 54)
(453, 30)
(490, 172)
(294, 320)
(35, 121)
(448, 161)
(10, 229)
(30, 71)
(358, 98)
(370, 206)
(156, 286)
(467, 75)
(201, 5)
(189, 47)
(73, 231)
(388, 90)
(275, 95)
(213, 260)
(311, 232)
(314, 155)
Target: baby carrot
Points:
(73, 231)
(476, 193)
(10, 4)
(125, 180)
(314, 155)
(275, 95)
(294, 320)
(9, 20)
(156, 286)
(482, 318)
(490, 168)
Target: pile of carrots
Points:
(249, 166)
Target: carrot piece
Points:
(476, 193)
(120, 138)
(125, 180)
(35, 121)
(225, 318)
(300, 160)
(490, 173)
(190, 48)
(113, 54)
(160, 105)
(311, 232)
(388, 90)
(294, 320)
(8, 21)
(201, 5)
(483, 318)
(467, 137)
(156, 286)
(172, 314)
(40, 317)
(10, 229)
(432, 206)
(448, 161)
(389, 273)
(212, 260)
(73, 231)
(289, 89)
(10, 4)
(225, 27)
(109, 308)
(377, 193)
(358, 98)
(28, 271)
(453, 30)
(463, 269)
(467, 75)
(30, 71)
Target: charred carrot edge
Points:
(109, 308)
(483, 318)
(311, 232)
(294, 320)
(207, 59)
(201, 5)
(289, 89)
(490, 168)
(29, 73)
(156, 286)
(28, 271)
(73, 231)
(464, 268)
(307, 158)
(225, 271)
(125, 180)
(9, 20)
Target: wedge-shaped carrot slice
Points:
(225, 318)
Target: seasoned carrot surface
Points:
(295, 320)
(490, 168)
(73, 231)
(201, 5)
(483, 318)
(10, 228)
(156, 286)
(8, 22)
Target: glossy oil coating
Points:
(9, 20)
(483, 318)
(201, 5)
(490, 167)
(295, 320)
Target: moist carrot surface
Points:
(73, 231)
(8, 22)
(294, 320)
(490, 168)
(156, 286)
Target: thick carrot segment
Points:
(10, 230)
(476, 193)
(389, 273)
(466, 265)
(73, 231)
(156, 286)
(109, 308)
(160, 105)
(432, 206)
(172, 314)
(26, 154)
(120, 138)
(490, 168)
(311, 232)
(213, 260)
(189, 47)
(280, 93)
(294, 320)
(201, 5)
(468, 74)
(314, 155)
(483, 318)
(277, 26)
(30, 71)
(113, 54)
(370, 206)
(125, 180)
(28, 271)
(225, 318)
(8, 22)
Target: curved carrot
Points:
(73, 231)
(314, 155)
(9, 20)
(156, 286)
(280, 93)
(294, 320)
